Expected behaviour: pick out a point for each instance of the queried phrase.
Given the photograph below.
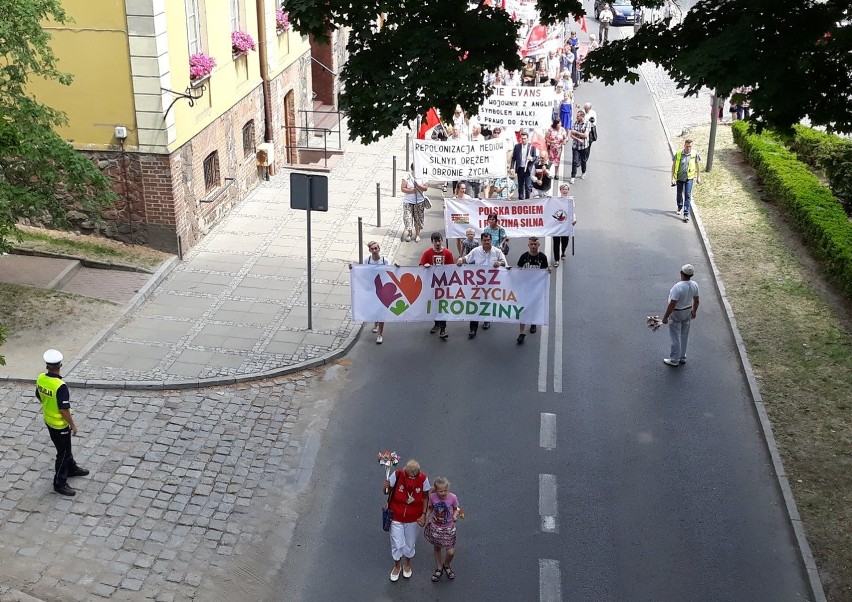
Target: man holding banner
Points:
(486, 255)
(524, 157)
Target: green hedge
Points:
(817, 214)
(827, 152)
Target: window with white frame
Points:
(235, 15)
(193, 27)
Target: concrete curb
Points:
(86, 263)
(64, 276)
(766, 427)
(8, 594)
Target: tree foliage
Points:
(41, 175)
(797, 54)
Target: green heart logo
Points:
(399, 307)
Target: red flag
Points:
(431, 121)
(536, 40)
(583, 24)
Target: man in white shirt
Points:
(681, 310)
(486, 255)
(592, 119)
(605, 17)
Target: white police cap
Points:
(52, 356)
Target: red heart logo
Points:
(410, 285)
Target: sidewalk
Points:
(236, 307)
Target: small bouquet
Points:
(388, 459)
(460, 514)
(654, 323)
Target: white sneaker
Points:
(376, 327)
(669, 362)
(679, 211)
(571, 181)
(379, 340)
(416, 239)
(583, 176)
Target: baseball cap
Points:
(52, 356)
(688, 269)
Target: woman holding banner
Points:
(413, 206)
(560, 243)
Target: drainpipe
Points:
(264, 70)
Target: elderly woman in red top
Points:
(408, 504)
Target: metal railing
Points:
(300, 130)
(306, 115)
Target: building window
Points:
(248, 138)
(193, 27)
(235, 15)
(211, 171)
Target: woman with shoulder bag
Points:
(413, 206)
(408, 497)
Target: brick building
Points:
(180, 147)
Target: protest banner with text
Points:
(543, 216)
(448, 161)
(417, 294)
(518, 107)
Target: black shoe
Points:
(444, 334)
(78, 472)
(486, 325)
(64, 490)
(533, 329)
(434, 329)
(471, 334)
(521, 338)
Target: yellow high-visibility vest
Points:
(47, 387)
(690, 167)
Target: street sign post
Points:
(310, 193)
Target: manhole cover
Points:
(640, 117)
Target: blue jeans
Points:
(684, 195)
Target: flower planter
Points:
(195, 83)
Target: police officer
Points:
(55, 400)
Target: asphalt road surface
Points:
(588, 470)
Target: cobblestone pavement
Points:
(679, 113)
(190, 496)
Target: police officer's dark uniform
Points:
(55, 400)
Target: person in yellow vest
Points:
(686, 171)
(55, 400)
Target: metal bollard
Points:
(393, 181)
(407, 150)
(360, 241)
(378, 205)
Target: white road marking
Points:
(549, 581)
(547, 431)
(557, 334)
(542, 360)
(547, 508)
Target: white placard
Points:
(519, 107)
(543, 216)
(448, 161)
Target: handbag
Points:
(387, 513)
(593, 133)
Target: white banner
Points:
(519, 107)
(413, 294)
(448, 161)
(544, 216)
(523, 10)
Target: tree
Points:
(797, 54)
(41, 175)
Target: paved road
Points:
(663, 488)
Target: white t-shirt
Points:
(590, 114)
(479, 256)
(412, 198)
(380, 261)
(683, 292)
